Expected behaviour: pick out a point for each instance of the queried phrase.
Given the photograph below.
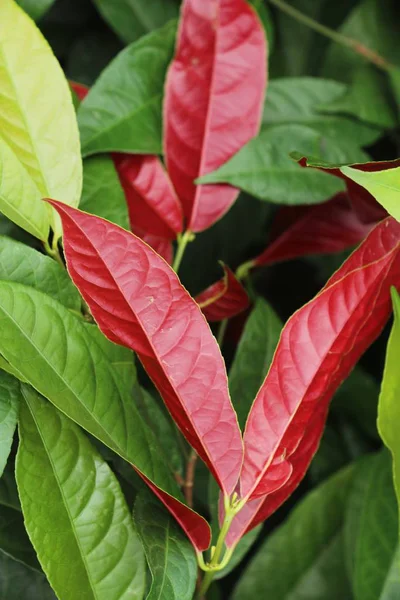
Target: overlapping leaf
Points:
(18, 582)
(138, 301)
(122, 112)
(35, 8)
(318, 347)
(214, 94)
(9, 403)
(152, 202)
(38, 118)
(74, 509)
(224, 299)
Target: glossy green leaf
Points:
(253, 357)
(20, 198)
(303, 558)
(8, 488)
(131, 19)
(35, 8)
(264, 168)
(371, 526)
(38, 121)
(7, 368)
(102, 193)
(302, 100)
(9, 402)
(366, 99)
(82, 373)
(14, 540)
(389, 400)
(19, 582)
(383, 185)
(22, 264)
(122, 112)
(169, 554)
(74, 509)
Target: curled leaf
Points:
(224, 299)
(213, 100)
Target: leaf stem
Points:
(339, 38)
(221, 332)
(183, 240)
(54, 253)
(189, 480)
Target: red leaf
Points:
(318, 348)
(213, 102)
(152, 203)
(322, 229)
(196, 528)
(139, 302)
(162, 247)
(80, 89)
(224, 299)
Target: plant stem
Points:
(189, 480)
(183, 241)
(54, 253)
(339, 38)
(221, 332)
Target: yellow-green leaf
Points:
(383, 185)
(37, 117)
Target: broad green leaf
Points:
(22, 264)
(122, 112)
(8, 488)
(253, 357)
(74, 509)
(14, 540)
(303, 558)
(300, 100)
(20, 198)
(5, 366)
(169, 554)
(264, 168)
(9, 402)
(371, 526)
(391, 589)
(19, 582)
(383, 185)
(366, 99)
(38, 118)
(35, 8)
(102, 193)
(389, 400)
(131, 19)
(82, 373)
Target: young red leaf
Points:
(152, 203)
(213, 100)
(322, 229)
(163, 247)
(224, 299)
(196, 528)
(80, 89)
(318, 348)
(139, 302)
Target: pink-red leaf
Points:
(319, 346)
(138, 301)
(163, 247)
(80, 89)
(152, 202)
(322, 229)
(224, 299)
(213, 102)
(196, 528)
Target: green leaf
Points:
(102, 193)
(131, 19)
(74, 510)
(35, 8)
(371, 526)
(303, 558)
(8, 488)
(22, 264)
(391, 589)
(20, 199)
(383, 185)
(14, 540)
(9, 402)
(87, 377)
(300, 100)
(122, 112)
(366, 99)
(38, 121)
(253, 357)
(389, 400)
(264, 168)
(18, 582)
(169, 554)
